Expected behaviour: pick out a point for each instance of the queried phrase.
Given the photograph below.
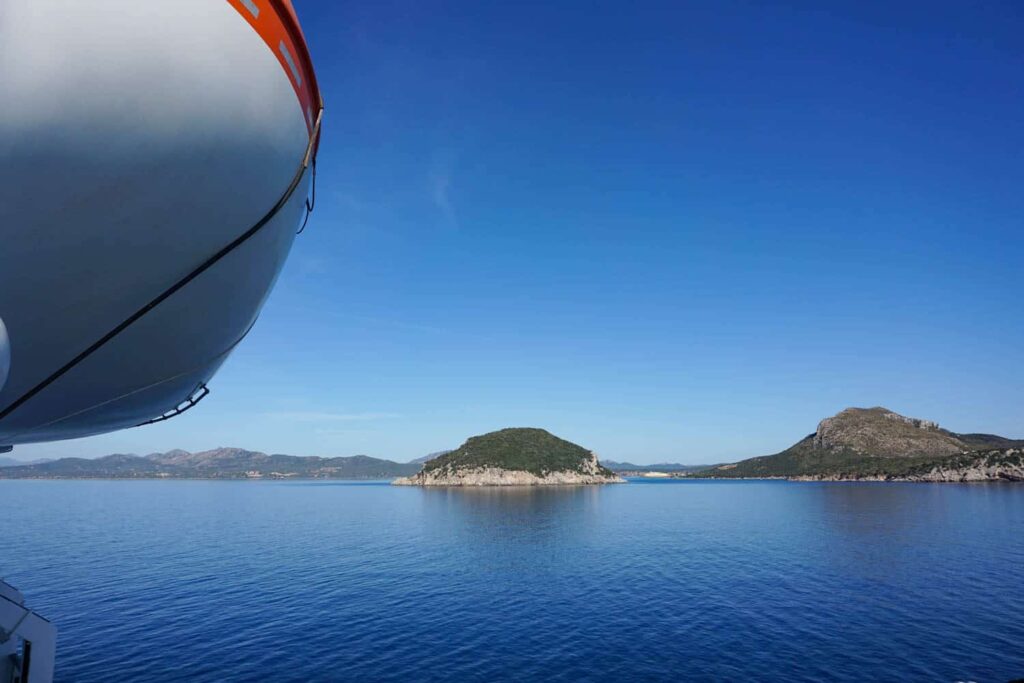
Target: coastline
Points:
(494, 476)
(992, 466)
(863, 480)
(225, 478)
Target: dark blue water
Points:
(212, 581)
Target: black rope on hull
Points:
(166, 294)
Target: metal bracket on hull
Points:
(197, 395)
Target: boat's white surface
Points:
(28, 642)
(137, 139)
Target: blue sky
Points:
(680, 231)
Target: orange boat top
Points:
(277, 24)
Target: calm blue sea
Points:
(293, 581)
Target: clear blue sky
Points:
(682, 232)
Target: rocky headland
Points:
(877, 444)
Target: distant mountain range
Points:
(428, 457)
(11, 462)
(220, 463)
(878, 444)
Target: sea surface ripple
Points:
(650, 581)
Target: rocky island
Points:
(513, 457)
(876, 444)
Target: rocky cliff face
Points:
(880, 432)
(494, 476)
(1005, 465)
(879, 445)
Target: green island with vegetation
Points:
(514, 456)
(526, 449)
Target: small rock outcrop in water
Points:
(513, 457)
(879, 445)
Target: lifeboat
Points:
(156, 161)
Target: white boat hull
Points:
(136, 143)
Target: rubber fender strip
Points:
(202, 268)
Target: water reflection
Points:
(875, 531)
(687, 580)
(874, 509)
(499, 521)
